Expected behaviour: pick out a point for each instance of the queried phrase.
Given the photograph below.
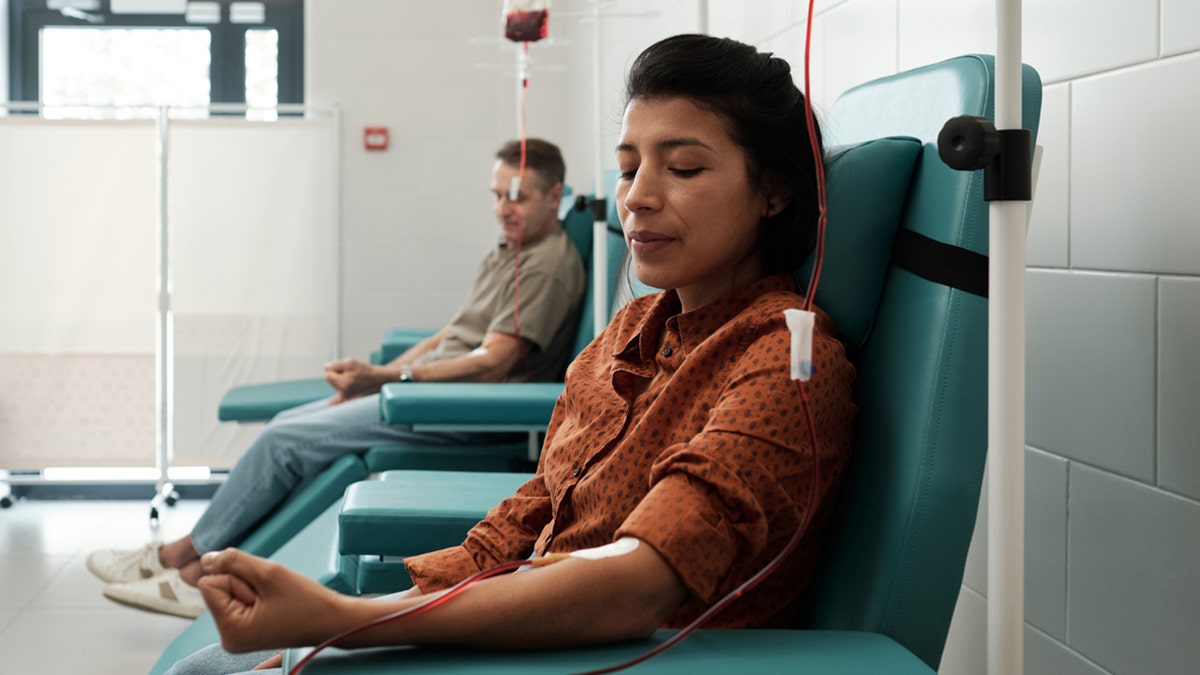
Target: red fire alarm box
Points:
(375, 138)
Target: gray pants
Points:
(213, 660)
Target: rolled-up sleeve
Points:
(506, 534)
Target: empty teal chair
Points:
(911, 308)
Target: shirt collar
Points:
(502, 243)
(695, 326)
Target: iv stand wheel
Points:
(166, 495)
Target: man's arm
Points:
(571, 603)
(421, 348)
(490, 362)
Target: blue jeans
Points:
(297, 444)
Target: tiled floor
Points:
(53, 618)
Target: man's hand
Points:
(352, 379)
(258, 604)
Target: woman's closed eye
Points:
(687, 173)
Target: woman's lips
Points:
(645, 243)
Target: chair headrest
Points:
(577, 220)
(866, 185)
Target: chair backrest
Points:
(894, 558)
(579, 226)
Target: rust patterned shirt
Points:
(685, 431)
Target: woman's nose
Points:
(643, 193)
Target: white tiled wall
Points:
(1179, 21)
(1133, 167)
(1049, 238)
(1179, 386)
(1114, 251)
(1090, 369)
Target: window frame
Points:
(227, 72)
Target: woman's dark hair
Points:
(764, 114)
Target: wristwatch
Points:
(406, 374)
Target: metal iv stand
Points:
(1005, 152)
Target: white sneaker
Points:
(125, 566)
(166, 593)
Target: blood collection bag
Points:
(526, 20)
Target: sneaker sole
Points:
(152, 605)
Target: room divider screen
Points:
(148, 265)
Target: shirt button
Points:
(666, 351)
(577, 471)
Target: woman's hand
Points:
(258, 604)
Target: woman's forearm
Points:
(568, 604)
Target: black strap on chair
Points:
(941, 263)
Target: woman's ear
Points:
(775, 200)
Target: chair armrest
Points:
(396, 341)
(716, 652)
(411, 512)
(470, 404)
(261, 402)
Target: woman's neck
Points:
(695, 296)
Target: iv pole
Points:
(1005, 152)
(599, 203)
(1006, 379)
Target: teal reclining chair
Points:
(913, 313)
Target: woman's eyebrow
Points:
(683, 142)
(671, 143)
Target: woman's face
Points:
(687, 207)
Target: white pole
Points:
(1006, 380)
(600, 224)
(164, 354)
(336, 288)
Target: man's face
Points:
(534, 210)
